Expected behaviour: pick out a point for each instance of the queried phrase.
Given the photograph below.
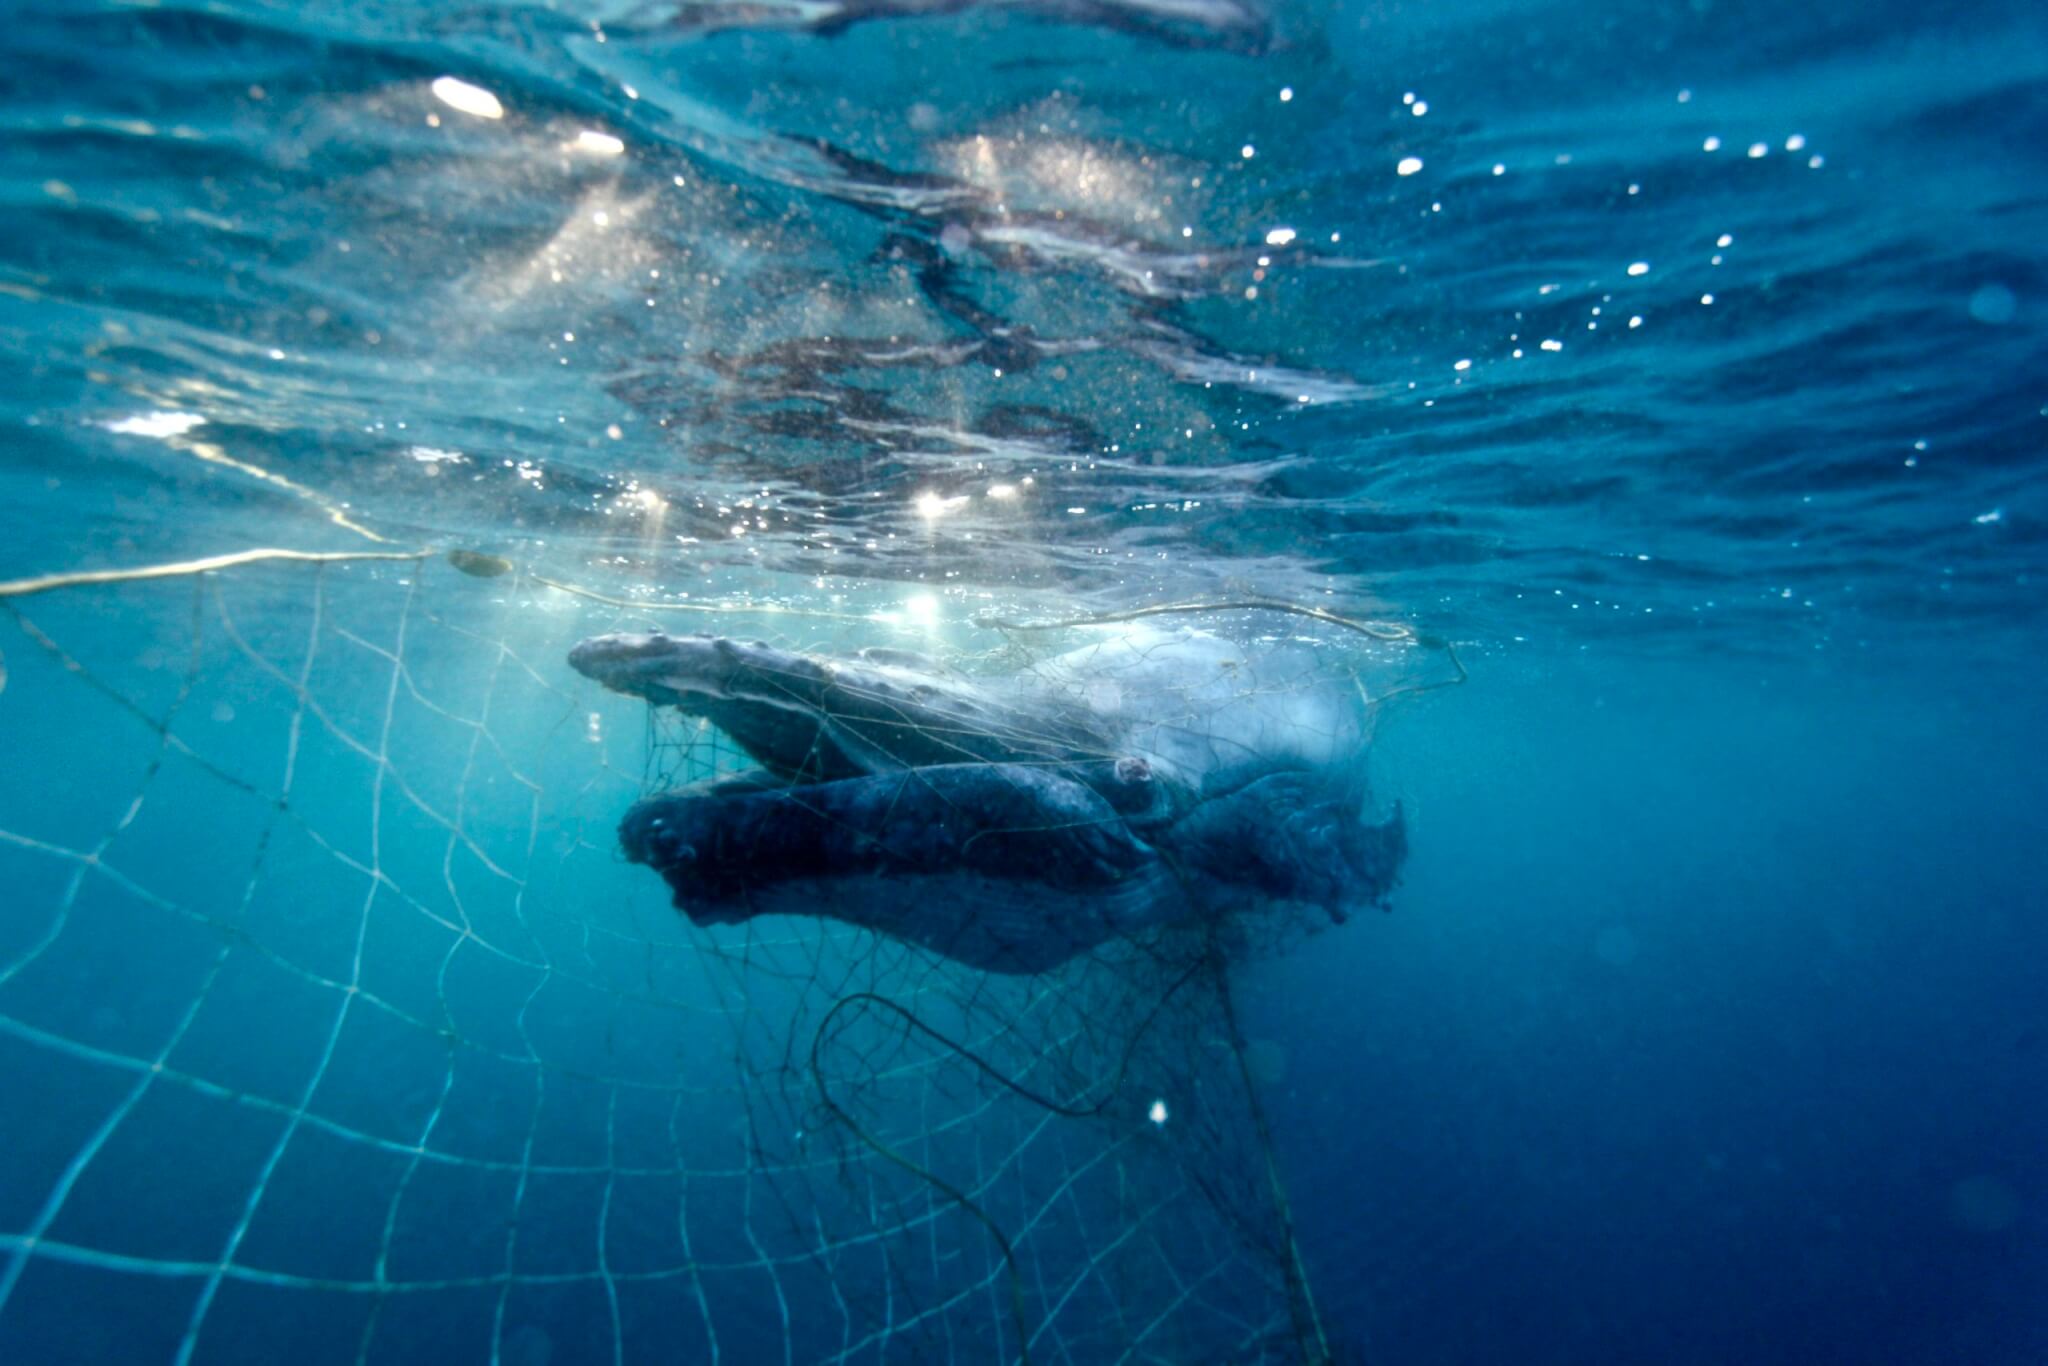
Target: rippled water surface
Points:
(1682, 366)
(1524, 320)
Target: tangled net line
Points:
(1120, 1239)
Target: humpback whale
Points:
(1013, 823)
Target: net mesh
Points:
(350, 1034)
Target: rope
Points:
(1378, 630)
(1301, 1300)
(988, 1069)
(44, 583)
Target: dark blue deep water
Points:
(1681, 368)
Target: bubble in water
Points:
(1994, 304)
(1616, 946)
(1983, 1204)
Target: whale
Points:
(1015, 821)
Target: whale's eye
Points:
(1133, 770)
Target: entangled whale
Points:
(1010, 824)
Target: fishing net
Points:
(336, 1027)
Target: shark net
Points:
(338, 1028)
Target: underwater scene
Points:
(1023, 681)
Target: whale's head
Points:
(1324, 853)
(1294, 837)
(689, 838)
(661, 668)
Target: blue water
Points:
(1681, 366)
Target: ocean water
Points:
(1675, 374)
